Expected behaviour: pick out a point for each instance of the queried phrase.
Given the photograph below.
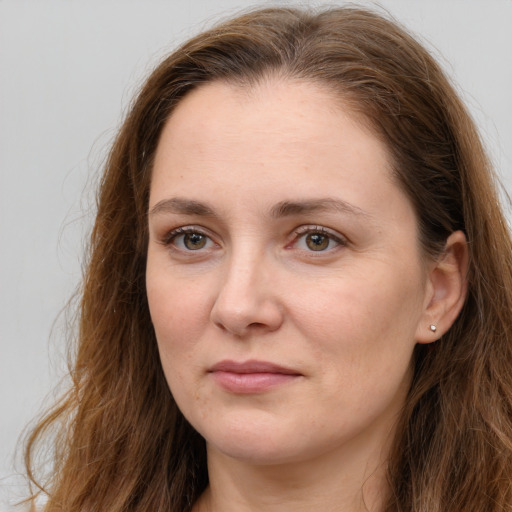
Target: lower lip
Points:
(247, 383)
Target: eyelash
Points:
(300, 233)
(170, 238)
(304, 231)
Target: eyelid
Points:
(301, 231)
(168, 238)
(172, 234)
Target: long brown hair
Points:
(122, 444)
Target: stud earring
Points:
(433, 328)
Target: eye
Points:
(188, 239)
(317, 239)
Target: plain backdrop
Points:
(68, 69)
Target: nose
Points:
(247, 302)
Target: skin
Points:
(258, 178)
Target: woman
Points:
(299, 288)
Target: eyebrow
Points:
(287, 208)
(181, 206)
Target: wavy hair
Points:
(121, 444)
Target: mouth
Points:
(251, 377)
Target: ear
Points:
(446, 289)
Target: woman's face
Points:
(284, 275)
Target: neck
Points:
(357, 485)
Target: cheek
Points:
(178, 311)
(178, 325)
(175, 302)
(361, 335)
(364, 320)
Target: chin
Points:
(267, 445)
(257, 454)
(259, 446)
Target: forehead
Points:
(244, 152)
(275, 124)
(224, 106)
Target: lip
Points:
(250, 377)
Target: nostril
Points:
(242, 331)
(256, 325)
(241, 323)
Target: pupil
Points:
(317, 242)
(194, 241)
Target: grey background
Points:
(68, 69)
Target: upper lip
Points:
(252, 366)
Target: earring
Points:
(433, 328)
